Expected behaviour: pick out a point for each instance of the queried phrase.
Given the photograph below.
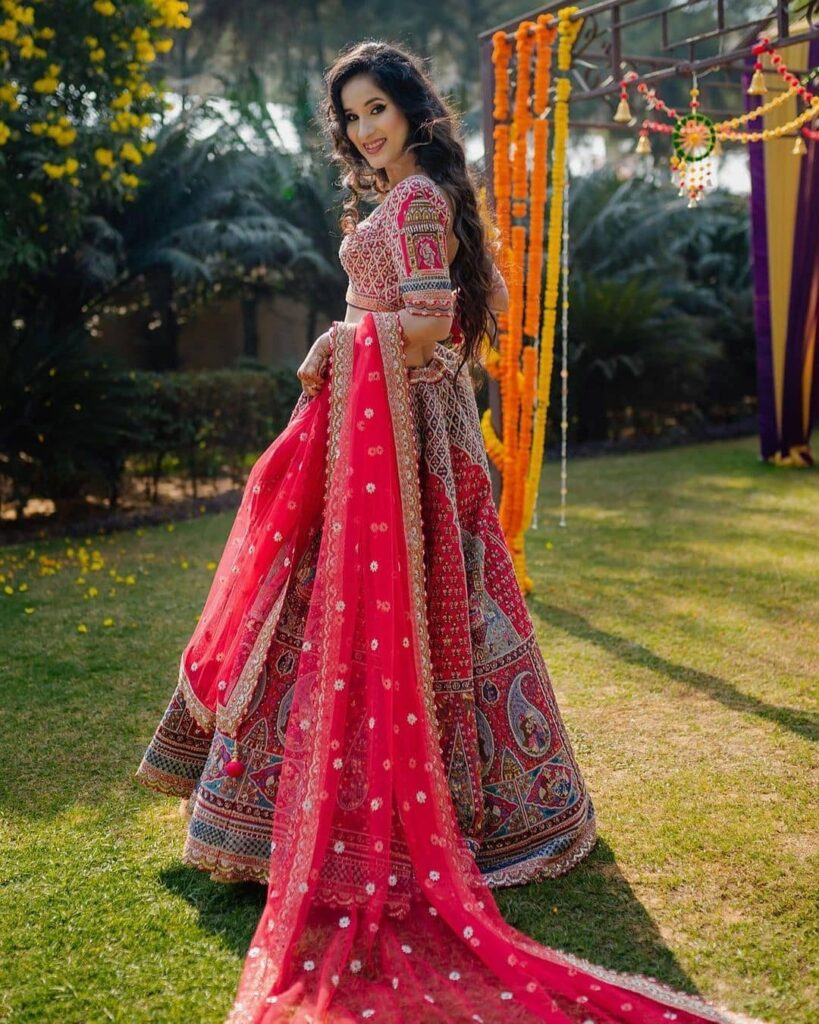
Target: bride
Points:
(363, 719)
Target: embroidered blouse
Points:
(397, 257)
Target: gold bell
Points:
(799, 146)
(623, 113)
(717, 150)
(757, 86)
(643, 146)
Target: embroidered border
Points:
(229, 716)
(202, 715)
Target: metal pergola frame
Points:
(601, 57)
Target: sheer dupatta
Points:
(363, 712)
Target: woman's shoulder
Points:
(420, 187)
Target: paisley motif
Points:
(528, 725)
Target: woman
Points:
(363, 715)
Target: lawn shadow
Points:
(802, 723)
(230, 910)
(598, 918)
(592, 913)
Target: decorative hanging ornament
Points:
(693, 137)
(623, 113)
(696, 138)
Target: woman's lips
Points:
(375, 148)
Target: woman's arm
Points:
(419, 252)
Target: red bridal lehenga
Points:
(363, 718)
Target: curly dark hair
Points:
(434, 133)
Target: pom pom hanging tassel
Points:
(235, 768)
(799, 146)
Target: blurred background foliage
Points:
(231, 194)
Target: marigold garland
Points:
(523, 365)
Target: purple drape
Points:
(800, 361)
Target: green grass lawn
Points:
(679, 615)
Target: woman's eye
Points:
(375, 110)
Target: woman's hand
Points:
(313, 371)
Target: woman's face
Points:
(375, 125)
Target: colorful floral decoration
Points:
(695, 137)
(56, 157)
(522, 365)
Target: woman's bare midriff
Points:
(418, 358)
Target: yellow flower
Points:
(105, 7)
(27, 47)
(146, 53)
(23, 588)
(46, 85)
(129, 180)
(211, 565)
(104, 156)
(164, 45)
(128, 151)
(108, 622)
(97, 54)
(71, 165)
(130, 580)
(122, 101)
(106, 176)
(38, 127)
(25, 15)
(82, 628)
(91, 41)
(66, 136)
(8, 29)
(46, 33)
(28, 611)
(5, 131)
(8, 93)
(8, 590)
(54, 170)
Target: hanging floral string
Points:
(522, 364)
(568, 30)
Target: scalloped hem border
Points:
(160, 782)
(540, 868)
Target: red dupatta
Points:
(362, 711)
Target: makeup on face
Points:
(374, 124)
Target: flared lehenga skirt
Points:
(519, 797)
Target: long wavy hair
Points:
(434, 136)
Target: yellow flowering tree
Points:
(79, 92)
